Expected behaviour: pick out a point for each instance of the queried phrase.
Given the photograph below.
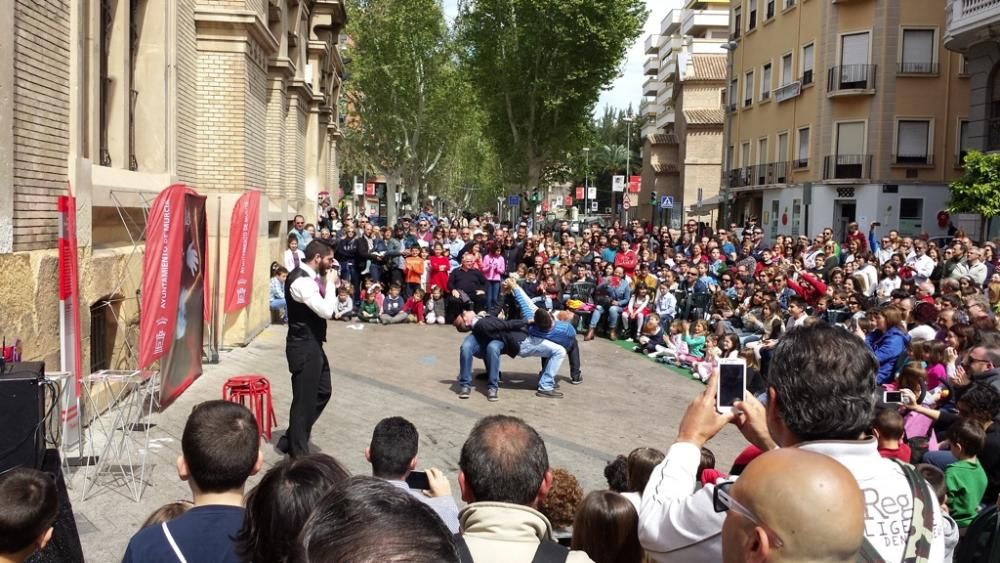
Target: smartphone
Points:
(418, 480)
(732, 383)
(892, 397)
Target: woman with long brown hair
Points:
(607, 529)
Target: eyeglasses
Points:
(970, 360)
(723, 501)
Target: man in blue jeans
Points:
(618, 290)
(492, 336)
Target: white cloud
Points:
(627, 89)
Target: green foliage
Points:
(978, 190)
(538, 67)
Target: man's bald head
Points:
(807, 501)
(504, 460)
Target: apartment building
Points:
(686, 74)
(841, 111)
(973, 30)
(113, 101)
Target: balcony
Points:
(847, 167)
(917, 69)
(668, 67)
(759, 175)
(967, 22)
(913, 160)
(652, 44)
(651, 86)
(788, 91)
(665, 118)
(670, 24)
(652, 66)
(849, 80)
(650, 109)
(665, 96)
(800, 163)
(698, 22)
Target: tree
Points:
(538, 67)
(978, 190)
(407, 91)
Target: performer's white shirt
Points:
(306, 291)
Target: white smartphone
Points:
(892, 397)
(732, 383)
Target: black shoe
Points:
(553, 394)
(282, 445)
(576, 379)
(464, 392)
(491, 395)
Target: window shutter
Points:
(854, 49)
(850, 138)
(918, 50)
(911, 139)
(803, 152)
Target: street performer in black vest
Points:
(311, 300)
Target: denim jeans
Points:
(280, 305)
(492, 294)
(491, 357)
(534, 346)
(614, 312)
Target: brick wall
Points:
(295, 150)
(220, 120)
(256, 119)
(277, 110)
(41, 118)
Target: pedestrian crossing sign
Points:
(667, 202)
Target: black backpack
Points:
(547, 552)
(982, 539)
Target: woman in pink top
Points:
(493, 268)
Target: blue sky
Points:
(628, 87)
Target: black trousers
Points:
(311, 390)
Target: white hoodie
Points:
(679, 523)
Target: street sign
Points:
(568, 202)
(634, 184)
(370, 188)
(618, 183)
(359, 189)
(579, 192)
(592, 192)
(667, 202)
(513, 200)
(593, 206)
(626, 205)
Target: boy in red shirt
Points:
(888, 430)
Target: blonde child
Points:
(369, 309)
(728, 346)
(345, 306)
(674, 344)
(695, 338)
(435, 306)
(651, 337)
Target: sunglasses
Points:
(723, 501)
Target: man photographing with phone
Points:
(821, 398)
(393, 455)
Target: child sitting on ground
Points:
(345, 306)
(276, 293)
(695, 338)
(702, 368)
(651, 337)
(965, 478)
(887, 428)
(435, 306)
(392, 307)
(633, 317)
(30, 506)
(369, 309)
(674, 344)
(414, 307)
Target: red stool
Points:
(253, 392)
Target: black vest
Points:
(303, 323)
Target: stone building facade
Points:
(114, 100)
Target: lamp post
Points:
(628, 151)
(586, 183)
(727, 134)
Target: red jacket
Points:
(812, 294)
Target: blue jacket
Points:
(887, 348)
(561, 333)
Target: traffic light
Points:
(652, 198)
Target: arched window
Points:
(993, 116)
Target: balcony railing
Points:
(759, 175)
(847, 166)
(788, 91)
(966, 19)
(917, 68)
(800, 163)
(807, 77)
(913, 159)
(851, 77)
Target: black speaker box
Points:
(22, 407)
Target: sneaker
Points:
(576, 379)
(491, 395)
(464, 392)
(551, 394)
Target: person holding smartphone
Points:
(393, 455)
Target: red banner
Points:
(174, 289)
(634, 183)
(580, 193)
(568, 202)
(370, 188)
(242, 251)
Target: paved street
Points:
(625, 401)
